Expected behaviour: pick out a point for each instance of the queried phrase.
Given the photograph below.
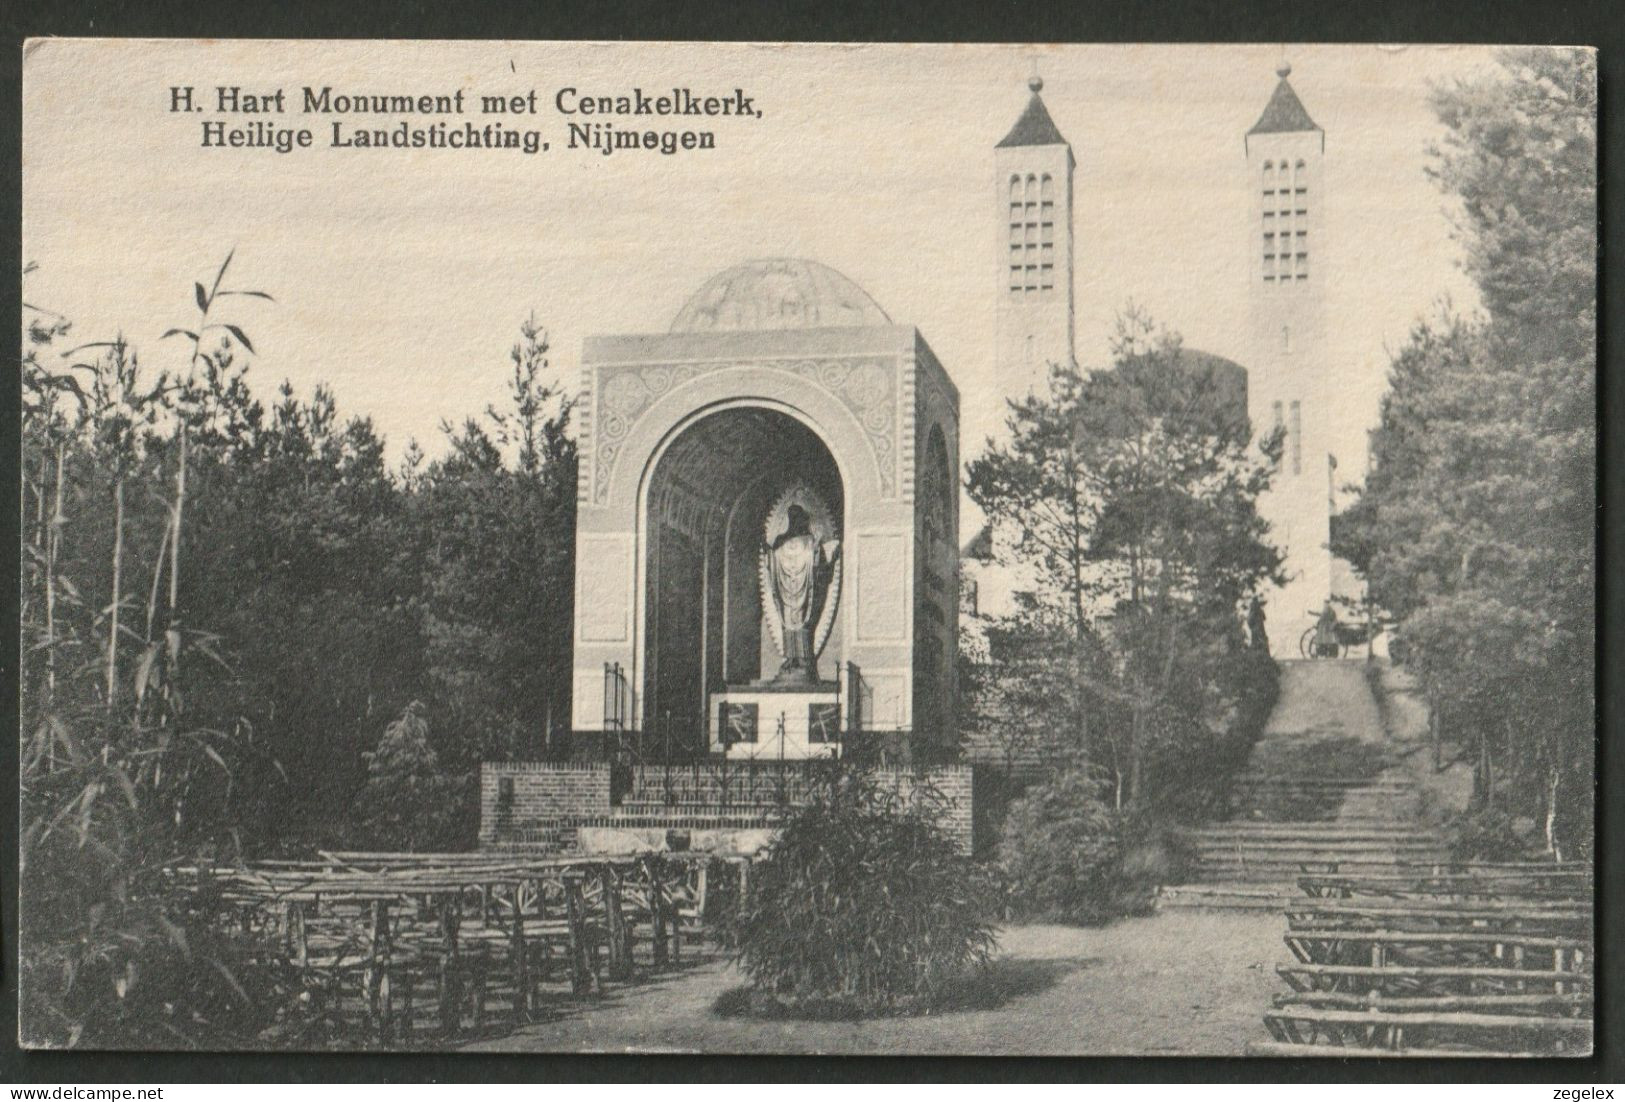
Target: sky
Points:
(400, 277)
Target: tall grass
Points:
(117, 777)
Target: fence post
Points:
(451, 1002)
(379, 1009)
(676, 913)
(289, 911)
(581, 975)
(657, 911)
(480, 968)
(620, 965)
(408, 1014)
(539, 974)
(521, 957)
(301, 940)
(702, 883)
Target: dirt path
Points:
(1176, 983)
(1326, 723)
(1181, 982)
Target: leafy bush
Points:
(1062, 852)
(863, 904)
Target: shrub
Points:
(863, 904)
(1062, 852)
(1487, 834)
(408, 802)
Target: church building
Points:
(1285, 351)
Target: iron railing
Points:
(671, 761)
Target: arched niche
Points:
(710, 489)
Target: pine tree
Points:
(1134, 490)
(1474, 527)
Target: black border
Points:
(1592, 22)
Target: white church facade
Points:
(1285, 348)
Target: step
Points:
(1313, 830)
(1283, 868)
(1288, 843)
(1258, 770)
(1218, 853)
(1336, 831)
(1255, 873)
(1327, 815)
(1394, 788)
(1292, 863)
(1309, 813)
(1226, 896)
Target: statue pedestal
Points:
(746, 720)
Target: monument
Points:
(766, 550)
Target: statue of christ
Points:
(798, 566)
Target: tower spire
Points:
(1034, 127)
(1034, 169)
(1284, 113)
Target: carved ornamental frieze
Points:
(865, 385)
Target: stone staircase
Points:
(1321, 788)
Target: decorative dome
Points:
(778, 294)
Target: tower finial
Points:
(1284, 69)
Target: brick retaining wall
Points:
(522, 797)
(544, 802)
(952, 783)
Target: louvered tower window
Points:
(1286, 221)
(1032, 234)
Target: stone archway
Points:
(708, 506)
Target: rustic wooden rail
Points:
(1441, 914)
(1441, 957)
(1573, 887)
(388, 944)
(1391, 1031)
(1425, 979)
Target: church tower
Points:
(1290, 379)
(1034, 168)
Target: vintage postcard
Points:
(726, 548)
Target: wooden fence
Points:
(395, 949)
(1472, 959)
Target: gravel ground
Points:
(1181, 982)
